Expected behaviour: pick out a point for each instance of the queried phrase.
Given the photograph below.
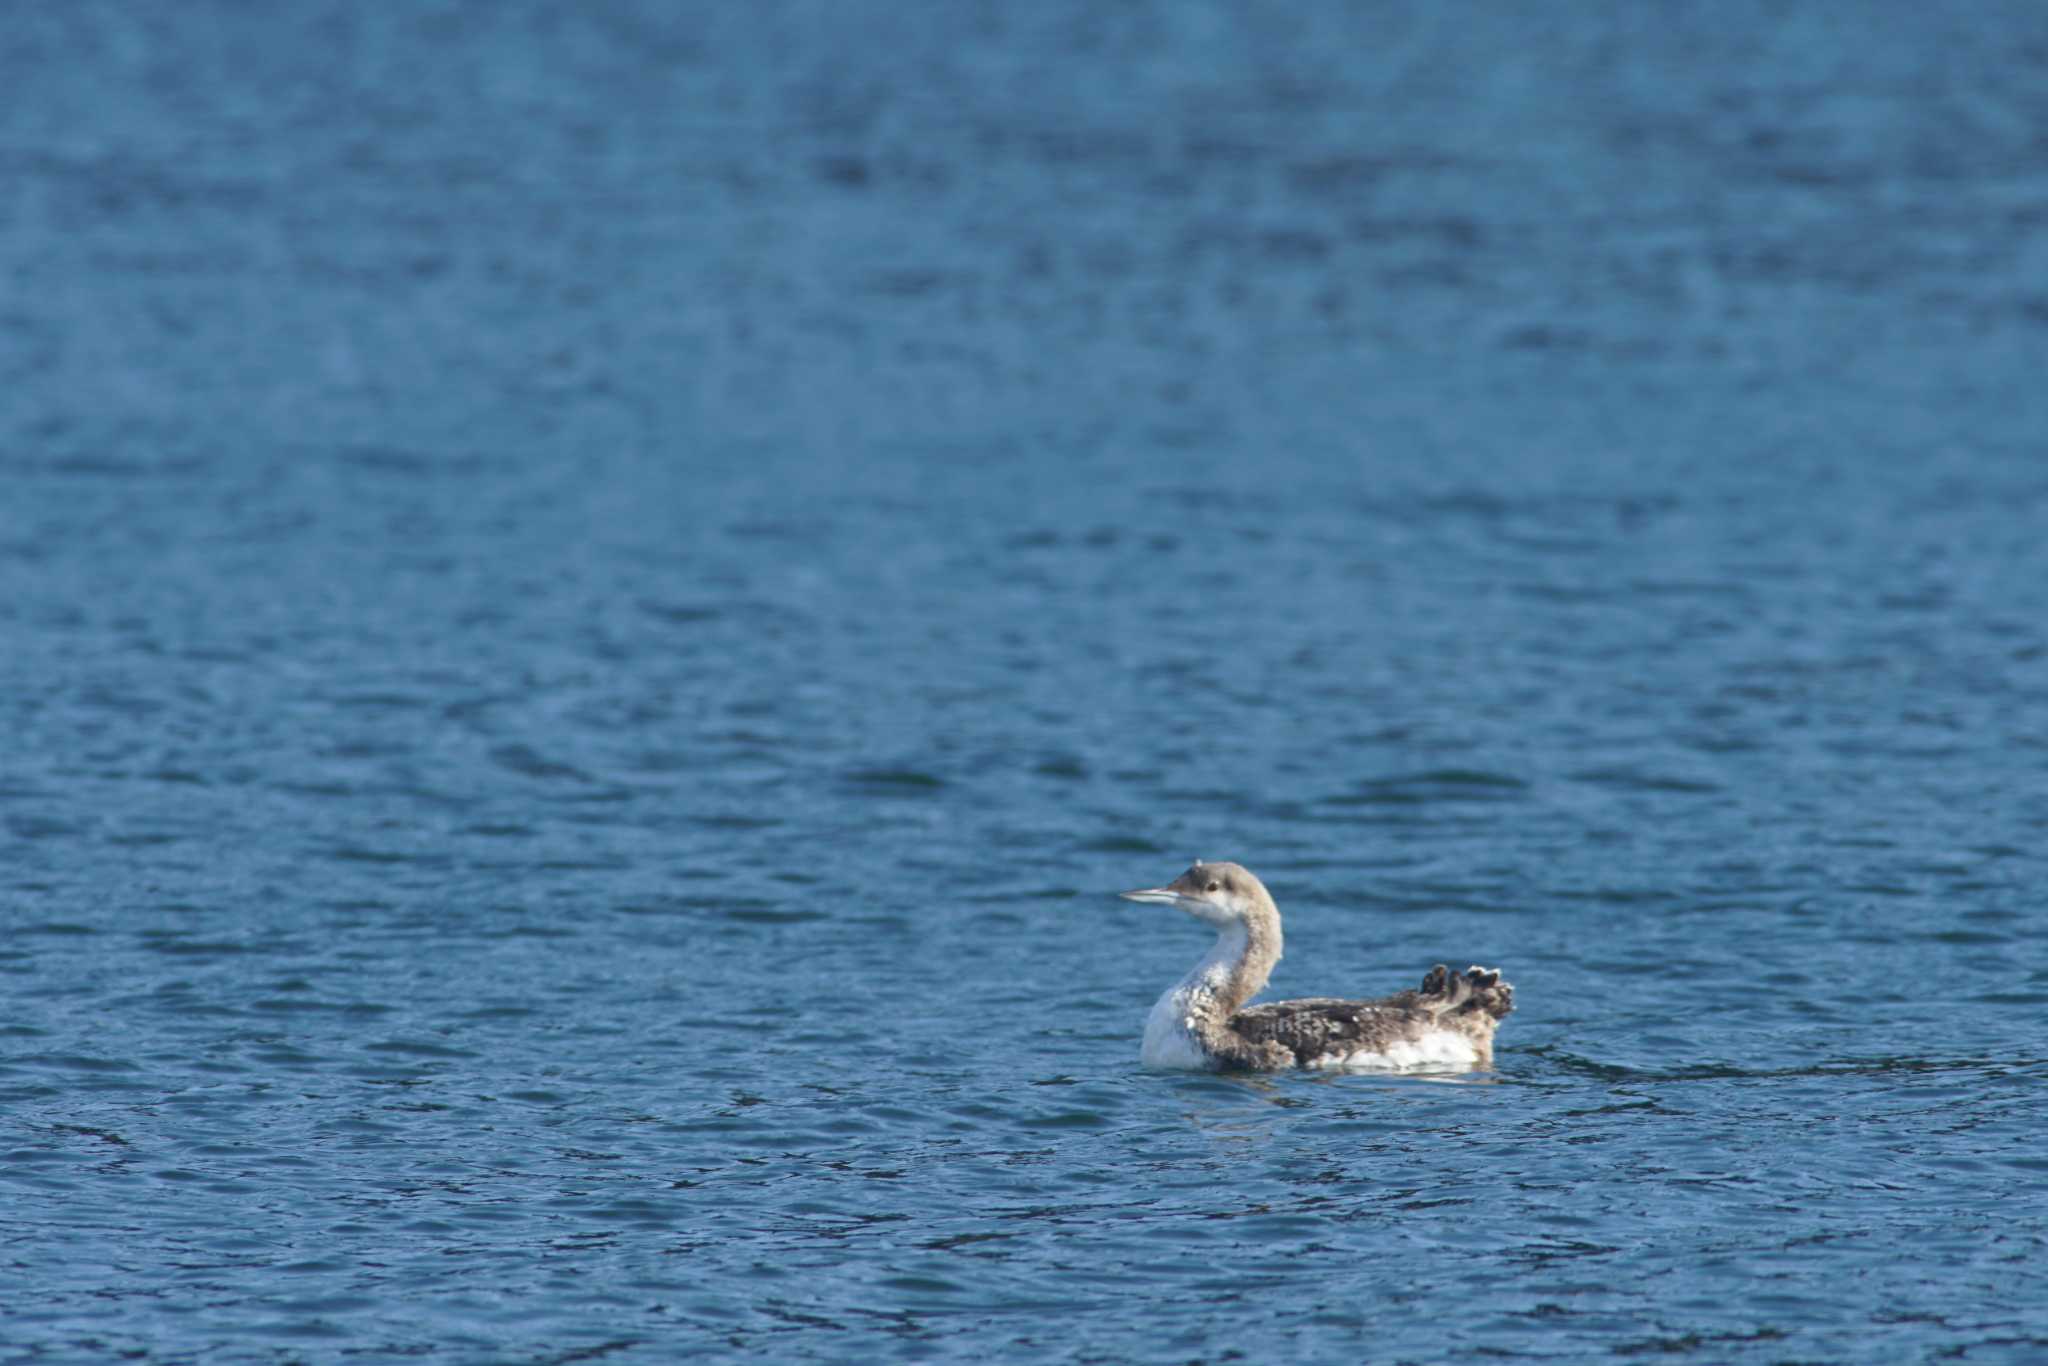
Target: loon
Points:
(1202, 1022)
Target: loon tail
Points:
(1475, 991)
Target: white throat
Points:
(1170, 1029)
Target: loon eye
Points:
(1213, 886)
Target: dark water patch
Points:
(559, 865)
(1564, 594)
(287, 1005)
(180, 946)
(777, 529)
(775, 915)
(375, 702)
(322, 790)
(714, 901)
(528, 762)
(545, 933)
(1432, 785)
(419, 1048)
(1721, 744)
(413, 463)
(732, 1024)
(1687, 588)
(736, 820)
(894, 782)
(119, 468)
(1968, 937)
(1620, 896)
(360, 853)
(681, 614)
(1637, 780)
(72, 1062)
(42, 827)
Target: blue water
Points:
(595, 602)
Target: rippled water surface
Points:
(598, 599)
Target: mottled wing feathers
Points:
(1323, 1026)
(1319, 1027)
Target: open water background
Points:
(594, 601)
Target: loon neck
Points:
(1236, 967)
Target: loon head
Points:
(1219, 894)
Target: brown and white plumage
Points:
(1202, 1022)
